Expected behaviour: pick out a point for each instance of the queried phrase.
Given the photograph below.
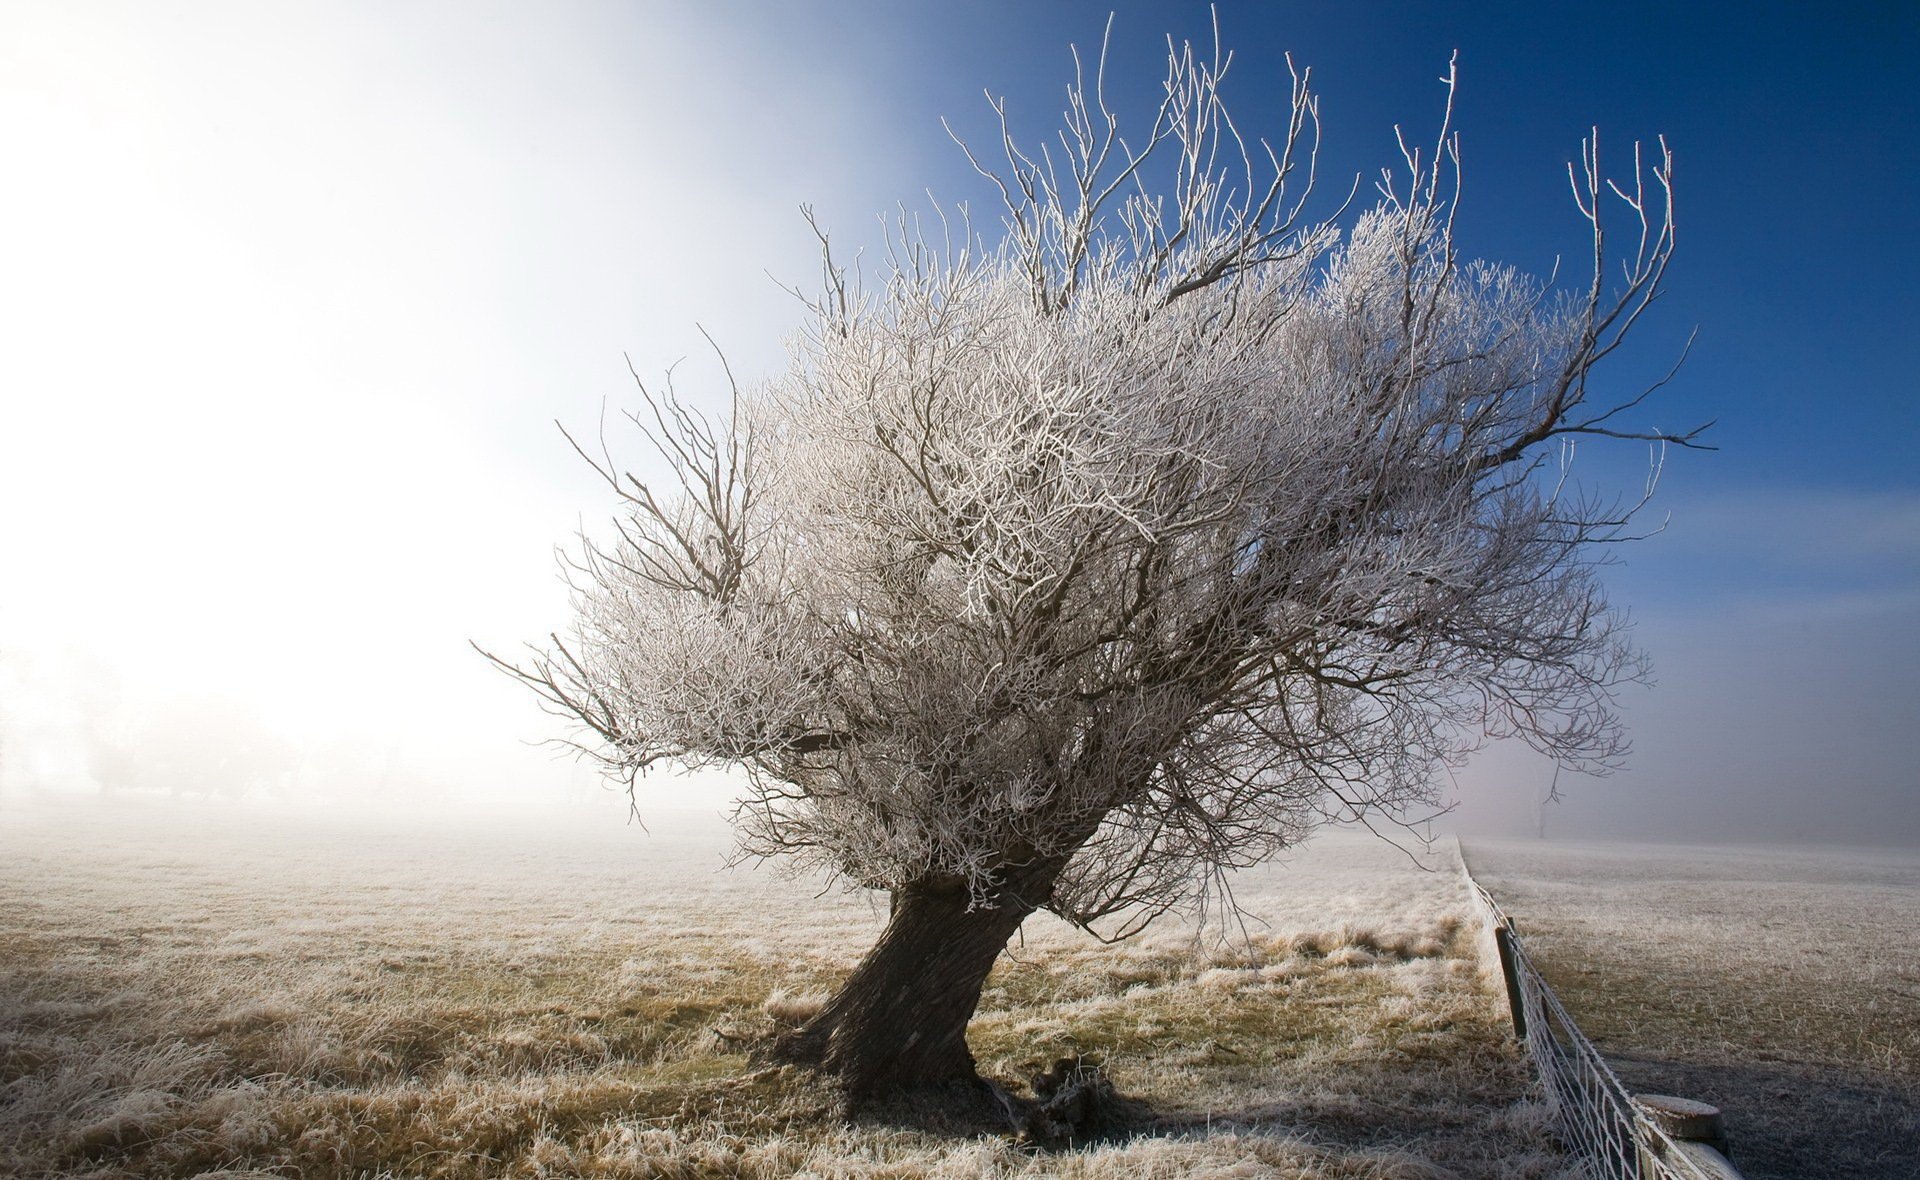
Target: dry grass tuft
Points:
(787, 1009)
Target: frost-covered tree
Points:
(1068, 569)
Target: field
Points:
(185, 990)
(1782, 984)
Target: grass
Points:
(193, 991)
(1782, 984)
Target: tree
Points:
(1071, 570)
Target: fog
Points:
(295, 297)
(1785, 698)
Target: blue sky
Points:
(296, 291)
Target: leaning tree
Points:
(1069, 567)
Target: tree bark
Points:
(899, 1022)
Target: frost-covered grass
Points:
(1782, 983)
(194, 990)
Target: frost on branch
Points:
(1126, 547)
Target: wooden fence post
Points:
(1503, 940)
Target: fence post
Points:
(1695, 1128)
(1503, 941)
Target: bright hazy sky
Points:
(292, 294)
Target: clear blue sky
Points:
(296, 290)
(1793, 125)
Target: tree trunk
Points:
(899, 1022)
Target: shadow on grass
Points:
(1792, 1121)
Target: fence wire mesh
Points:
(1599, 1123)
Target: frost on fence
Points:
(1599, 1122)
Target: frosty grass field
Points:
(1782, 984)
(186, 990)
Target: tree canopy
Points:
(1073, 564)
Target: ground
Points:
(1779, 983)
(185, 989)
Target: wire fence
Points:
(1600, 1124)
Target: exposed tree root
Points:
(1073, 1104)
